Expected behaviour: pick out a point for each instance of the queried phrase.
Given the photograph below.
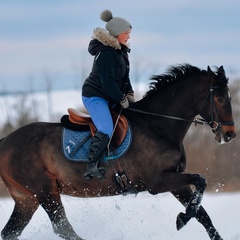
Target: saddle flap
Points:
(121, 129)
(78, 117)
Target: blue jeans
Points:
(99, 111)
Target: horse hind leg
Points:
(53, 206)
(22, 213)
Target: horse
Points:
(36, 172)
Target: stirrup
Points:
(95, 172)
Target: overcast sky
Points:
(49, 38)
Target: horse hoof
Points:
(182, 220)
(213, 234)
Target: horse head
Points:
(218, 113)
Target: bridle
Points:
(214, 124)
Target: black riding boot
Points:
(97, 149)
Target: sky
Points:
(44, 43)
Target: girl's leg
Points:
(99, 111)
(101, 116)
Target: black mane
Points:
(180, 72)
(173, 74)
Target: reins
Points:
(196, 120)
(214, 124)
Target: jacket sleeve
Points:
(106, 62)
(129, 88)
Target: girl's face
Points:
(123, 37)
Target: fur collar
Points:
(106, 39)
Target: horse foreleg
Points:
(170, 181)
(196, 198)
(205, 220)
(52, 204)
(22, 213)
(184, 195)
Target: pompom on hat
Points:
(115, 25)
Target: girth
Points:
(78, 117)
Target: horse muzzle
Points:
(224, 133)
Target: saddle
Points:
(78, 117)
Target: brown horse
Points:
(35, 171)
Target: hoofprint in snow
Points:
(131, 217)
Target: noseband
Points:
(214, 124)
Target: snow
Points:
(46, 106)
(131, 217)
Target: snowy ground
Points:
(141, 217)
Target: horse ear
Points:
(211, 74)
(221, 70)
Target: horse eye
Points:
(220, 100)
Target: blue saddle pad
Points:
(76, 144)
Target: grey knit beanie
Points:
(115, 25)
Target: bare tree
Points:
(19, 114)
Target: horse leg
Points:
(169, 181)
(184, 195)
(22, 213)
(191, 199)
(53, 206)
(196, 197)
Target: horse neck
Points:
(177, 101)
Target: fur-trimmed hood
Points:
(101, 39)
